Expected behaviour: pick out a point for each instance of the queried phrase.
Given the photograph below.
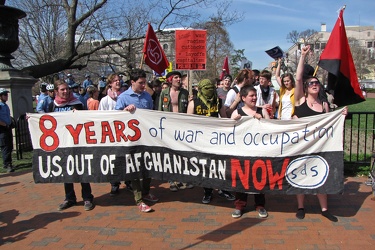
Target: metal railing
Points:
(359, 137)
(23, 139)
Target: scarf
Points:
(207, 93)
(64, 101)
(265, 93)
(113, 94)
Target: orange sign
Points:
(191, 49)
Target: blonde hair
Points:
(60, 82)
(110, 79)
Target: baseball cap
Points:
(3, 91)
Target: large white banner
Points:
(296, 156)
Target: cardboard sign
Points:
(191, 49)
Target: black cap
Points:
(173, 73)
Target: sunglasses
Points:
(315, 82)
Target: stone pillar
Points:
(17, 82)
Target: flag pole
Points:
(143, 52)
(316, 70)
(190, 87)
(142, 59)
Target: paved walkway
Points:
(29, 220)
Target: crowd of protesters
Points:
(250, 93)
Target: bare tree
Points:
(54, 36)
(306, 37)
(219, 44)
(218, 47)
(360, 57)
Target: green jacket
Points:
(165, 100)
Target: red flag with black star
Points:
(338, 61)
(225, 70)
(153, 53)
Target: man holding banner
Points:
(137, 97)
(174, 99)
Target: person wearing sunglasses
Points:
(310, 99)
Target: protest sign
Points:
(191, 49)
(271, 156)
(275, 53)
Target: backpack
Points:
(241, 103)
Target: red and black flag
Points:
(225, 70)
(338, 61)
(153, 53)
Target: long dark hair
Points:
(322, 96)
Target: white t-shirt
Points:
(231, 96)
(286, 107)
(107, 103)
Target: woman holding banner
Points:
(65, 101)
(249, 97)
(310, 99)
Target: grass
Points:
(366, 106)
(362, 130)
(23, 164)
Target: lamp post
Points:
(17, 82)
(8, 34)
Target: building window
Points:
(165, 47)
(369, 34)
(369, 44)
(371, 53)
(96, 43)
(323, 46)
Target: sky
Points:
(266, 23)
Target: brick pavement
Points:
(29, 220)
